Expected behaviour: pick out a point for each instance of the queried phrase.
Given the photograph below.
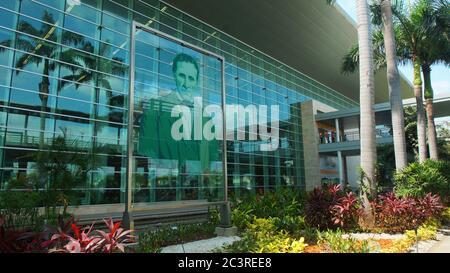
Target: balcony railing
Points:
(331, 137)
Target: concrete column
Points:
(339, 154)
(341, 169)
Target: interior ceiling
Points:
(309, 36)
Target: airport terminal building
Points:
(139, 100)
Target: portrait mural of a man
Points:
(192, 157)
(155, 139)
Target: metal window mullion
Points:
(130, 142)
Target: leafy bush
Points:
(293, 225)
(446, 215)
(397, 214)
(347, 211)
(280, 203)
(18, 241)
(153, 240)
(84, 242)
(18, 205)
(335, 242)
(427, 231)
(418, 179)
(400, 245)
(263, 237)
(329, 207)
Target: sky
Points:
(440, 75)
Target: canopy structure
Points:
(309, 36)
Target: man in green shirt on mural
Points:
(156, 140)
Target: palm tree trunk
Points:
(42, 123)
(398, 123)
(432, 138)
(421, 123)
(43, 95)
(366, 78)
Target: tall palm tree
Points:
(367, 114)
(40, 51)
(393, 77)
(415, 30)
(436, 49)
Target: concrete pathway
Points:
(203, 246)
(443, 246)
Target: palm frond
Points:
(351, 61)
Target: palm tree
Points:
(393, 77)
(367, 115)
(436, 49)
(415, 33)
(39, 51)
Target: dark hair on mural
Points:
(182, 57)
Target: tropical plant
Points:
(263, 237)
(393, 77)
(19, 202)
(367, 115)
(152, 241)
(397, 214)
(347, 212)
(421, 33)
(84, 242)
(435, 50)
(59, 170)
(329, 207)
(336, 242)
(419, 179)
(280, 203)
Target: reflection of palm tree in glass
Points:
(86, 72)
(40, 51)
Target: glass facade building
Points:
(65, 72)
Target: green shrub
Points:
(281, 203)
(153, 240)
(263, 237)
(334, 242)
(418, 179)
(18, 206)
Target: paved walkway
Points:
(443, 246)
(203, 246)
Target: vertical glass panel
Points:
(83, 10)
(8, 19)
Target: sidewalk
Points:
(443, 246)
(202, 246)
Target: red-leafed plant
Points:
(19, 241)
(347, 211)
(329, 207)
(117, 238)
(88, 240)
(397, 214)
